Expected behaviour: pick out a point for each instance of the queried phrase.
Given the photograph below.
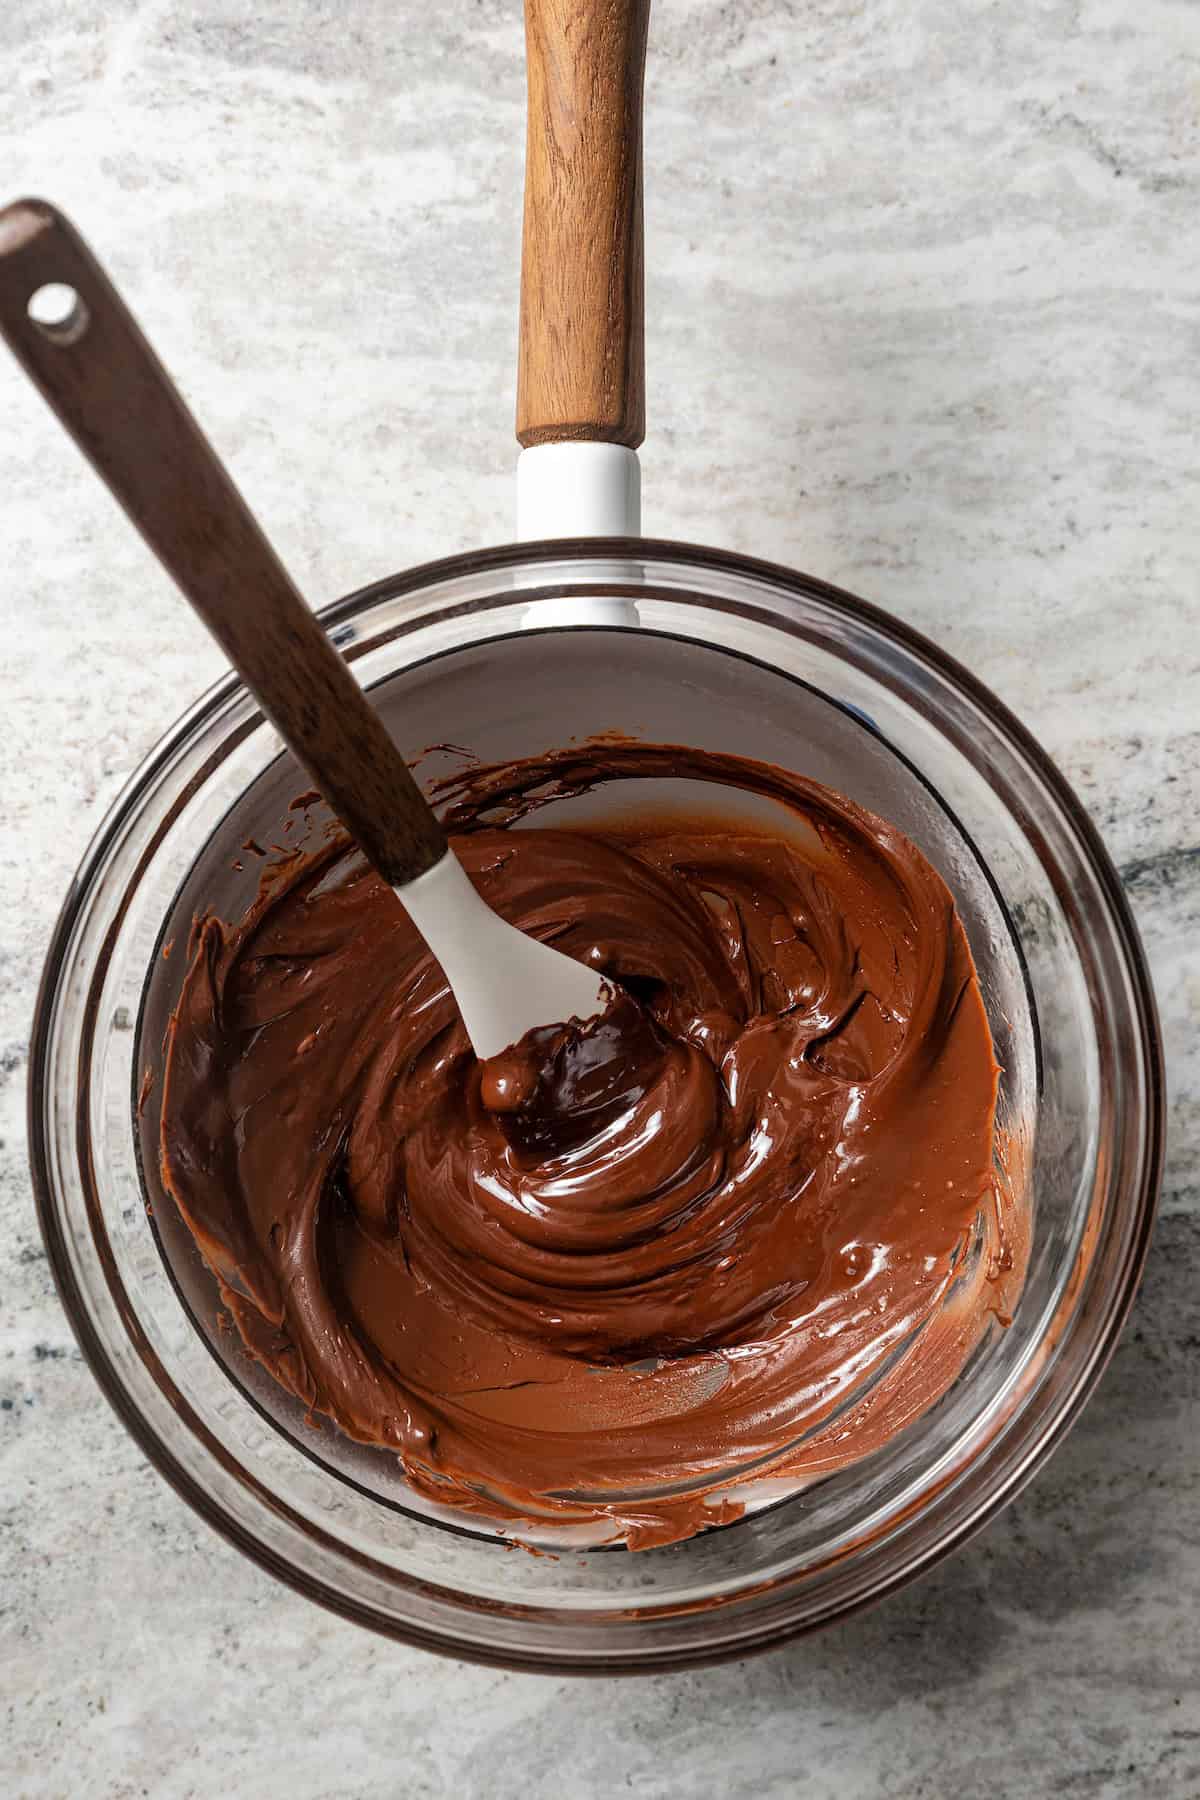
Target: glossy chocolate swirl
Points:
(745, 1222)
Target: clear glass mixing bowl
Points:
(730, 655)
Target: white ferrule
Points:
(581, 490)
(578, 490)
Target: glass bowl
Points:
(493, 651)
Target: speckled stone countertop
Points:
(923, 316)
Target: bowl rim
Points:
(784, 581)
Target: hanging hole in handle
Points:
(58, 312)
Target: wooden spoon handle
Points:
(109, 389)
(582, 363)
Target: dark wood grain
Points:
(109, 389)
(582, 359)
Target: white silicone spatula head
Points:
(505, 982)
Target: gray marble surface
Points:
(924, 317)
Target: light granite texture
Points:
(924, 318)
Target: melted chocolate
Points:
(737, 1224)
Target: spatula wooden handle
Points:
(582, 365)
(109, 389)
